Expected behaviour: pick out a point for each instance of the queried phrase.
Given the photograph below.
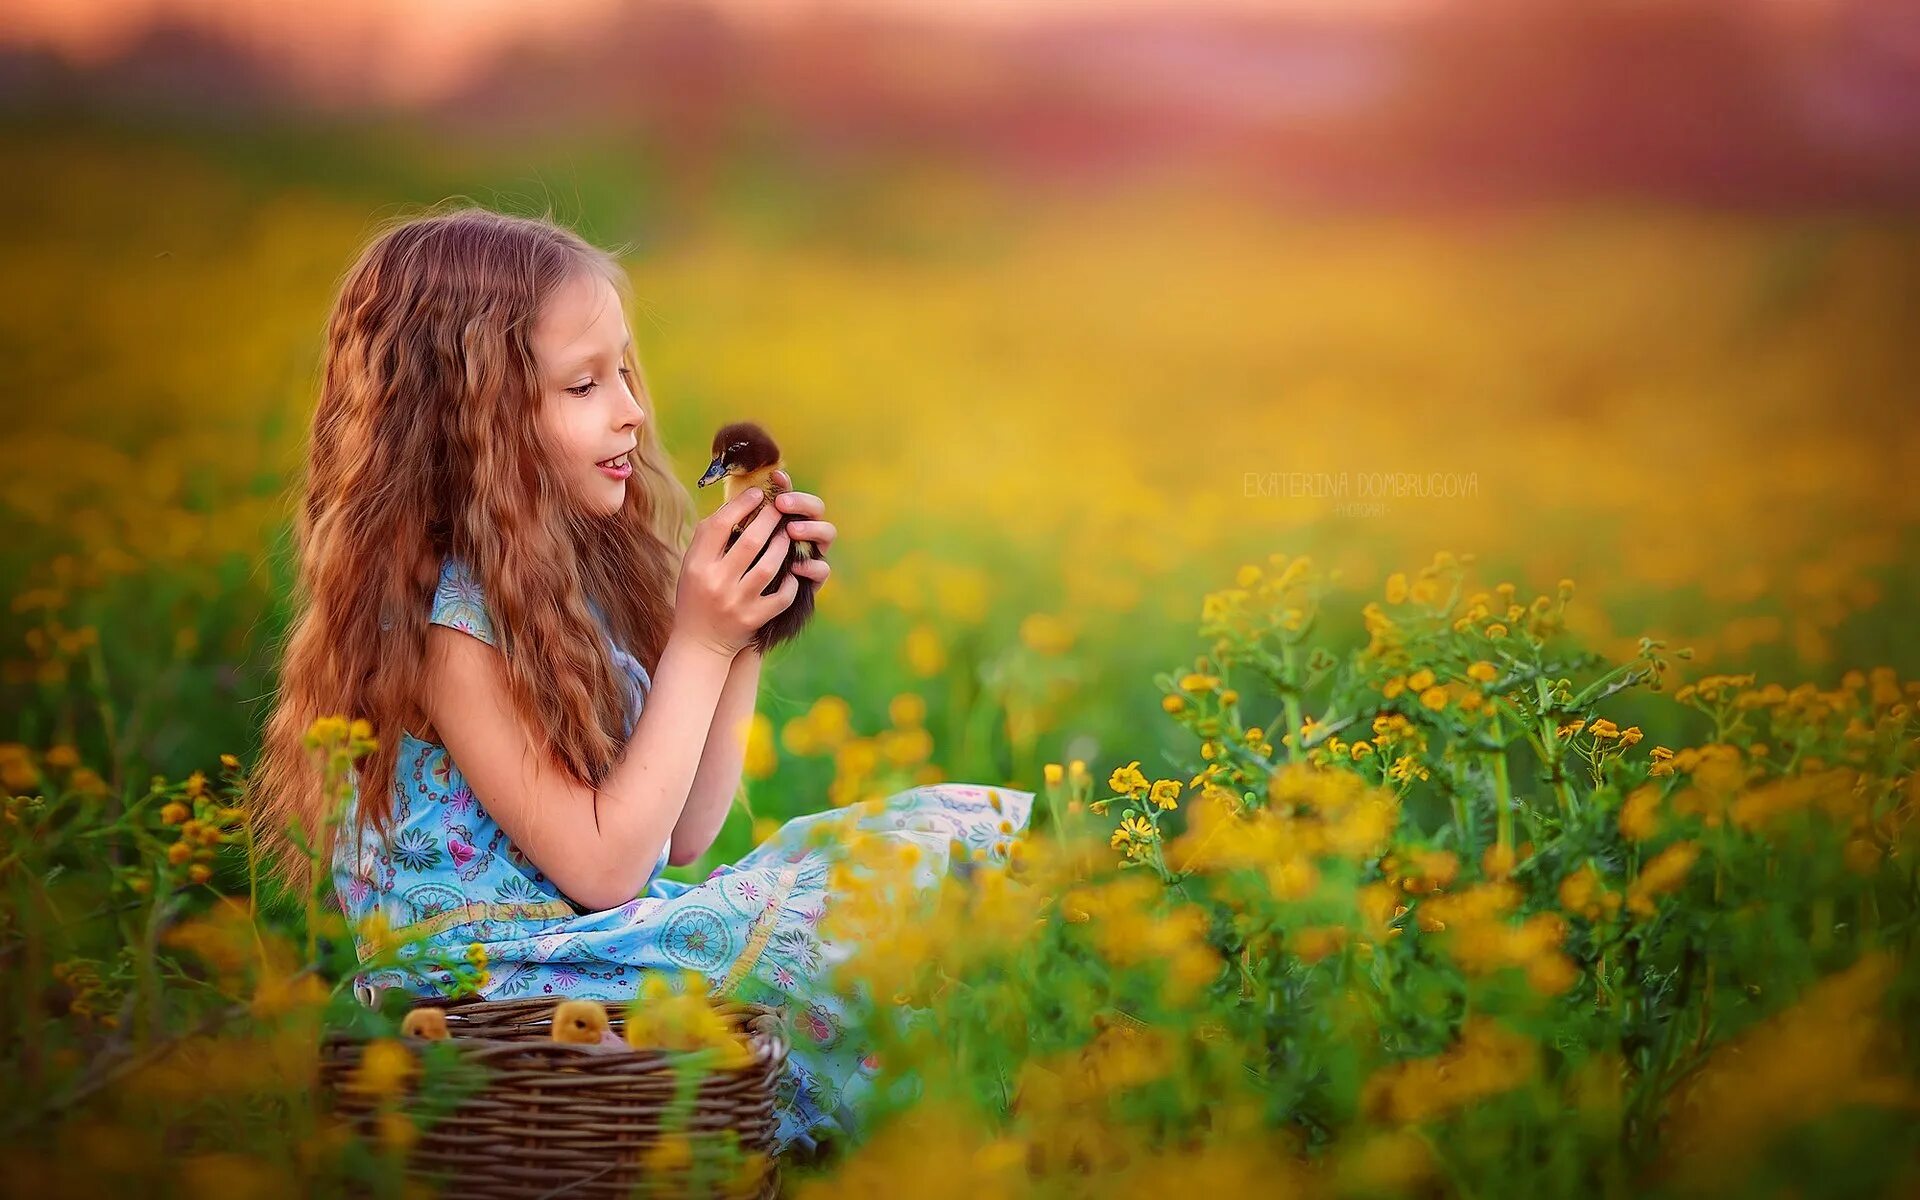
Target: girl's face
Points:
(588, 411)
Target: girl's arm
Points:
(718, 780)
(597, 846)
(721, 761)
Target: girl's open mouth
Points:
(616, 468)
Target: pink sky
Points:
(417, 48)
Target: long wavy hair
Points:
(426, 442)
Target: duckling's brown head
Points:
(740, 449)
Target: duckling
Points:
(584, 1023)
(746, 457)
(429, 1023)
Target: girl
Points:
(496, 570)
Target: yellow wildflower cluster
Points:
(18, 772)
(1639, 813)
(899, 931)
(1133, 922)
(1054, 1093)
(384, 1077)
(1333, 812)
(1831, 1049)
(89, 996)
(203, 822)
(326, 733)
(679, 1015)
(1279, 600)
(1661, 875)
(225, 938)
(1584, 893)
(1604, 742)
(865, 767)
(1489, 1059)
(1481, 937)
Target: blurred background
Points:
(1067, 307)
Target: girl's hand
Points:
(718, 602)
(815, 529)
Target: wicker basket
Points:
(556, 1120)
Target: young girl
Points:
(496, 570)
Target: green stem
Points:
(1502, 788)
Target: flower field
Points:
(1465, 660)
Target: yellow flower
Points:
(1420, 680)
(175, 813)
(396, 1131)
(1397, 588)
(761, 759)
(1434, 698)
(1128, 780)
(670, 1152)
(1166, 793)
(1604, 729)
(1663, 873)
(1136, 831)
(1407, 768)
(1483, 671)
(1053, 774)
(925, 654)
(1198, 682)
(1173, 703)
(1046, 634)
(907, 709)
(325, 731)
(1077, 771)
(1496, 631)
(385, 1067)
(63, 757)
(1638, 819)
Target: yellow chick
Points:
(746, 457)
(429, 1023)
(584, 1023)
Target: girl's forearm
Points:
(721, 762)
(643, 797)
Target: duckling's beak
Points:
(715, 470)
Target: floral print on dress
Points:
(752, 929)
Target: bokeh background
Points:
(1068, 309)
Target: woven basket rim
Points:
(766, 1046)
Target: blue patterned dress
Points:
(446, 876)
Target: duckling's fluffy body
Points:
(745, 457)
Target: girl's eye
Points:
(584, 388)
